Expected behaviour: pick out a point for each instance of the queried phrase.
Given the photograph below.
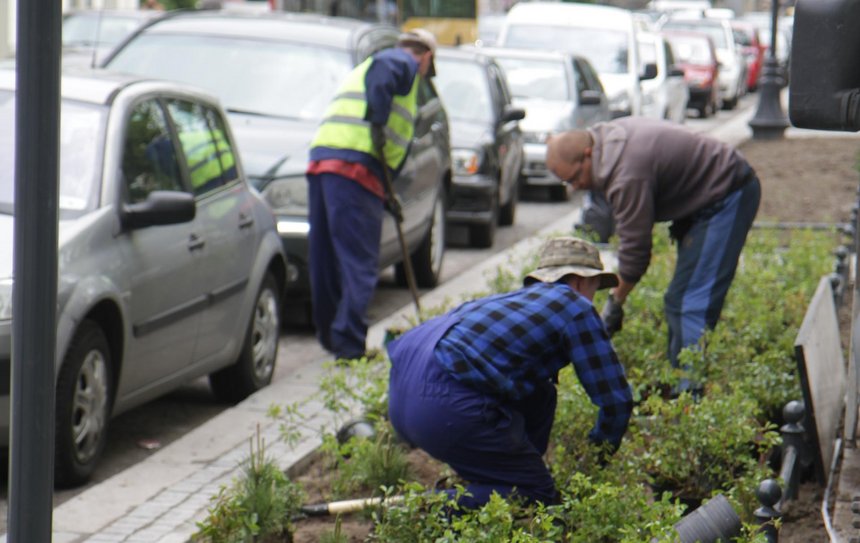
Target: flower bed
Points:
(676, 453)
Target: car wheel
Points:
(83, 406)
(427, 258)
(508, 211)
(481, 235)
(256, 364)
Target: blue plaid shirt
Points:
(506, 343)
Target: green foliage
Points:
(691, 448)
(259, 504)
(363, 465)
(699, 447)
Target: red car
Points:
(696, 55)
(746, 36)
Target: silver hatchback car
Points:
(170, 264)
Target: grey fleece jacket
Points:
(652, 171)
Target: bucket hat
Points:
(423, 37)
(568, 255)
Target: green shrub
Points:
(259, 504)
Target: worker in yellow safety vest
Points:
(375, 108)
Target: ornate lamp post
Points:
(769, 121)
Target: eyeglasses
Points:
(574, 177)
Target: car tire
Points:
(256, 364)
(427, 258)
(508, 211)
(84, 396)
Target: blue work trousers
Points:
(345, 228)
(707, 259)
(493, 444)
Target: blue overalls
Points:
(493, 444)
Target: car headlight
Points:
(6, 299)
(288, 195)
(466, 161)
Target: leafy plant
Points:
(363, 465)
(259, 504)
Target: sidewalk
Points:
(160, 499)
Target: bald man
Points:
(656, 171)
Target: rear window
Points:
(607, 50)
(252, 76)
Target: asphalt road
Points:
(138, 433)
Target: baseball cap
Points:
(568, 255)
(422, 37)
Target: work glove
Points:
(377, 136)
(612, 315)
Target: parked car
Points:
(275, 74)
(559, 91)
(732, 76)
(698, 58)
(89, 34)
(747, 37)
(486, 142)
(170, 265)
(605, 35)
(665, 96)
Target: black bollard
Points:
(768, 494)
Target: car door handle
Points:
(245, 221)
(195, 243)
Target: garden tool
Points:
(348, 506)
(395, 210)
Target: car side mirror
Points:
(512, 113)
(650, 72)
(161, 207)
(675, 71)
(824, 85)
(589, 97)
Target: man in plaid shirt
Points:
(475, 387)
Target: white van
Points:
(605, 35)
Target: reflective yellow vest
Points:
(344, 125)
(209, 156)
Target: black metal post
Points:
(794, 453)
(34, 295)
(770, 122)
(768, 494)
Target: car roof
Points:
(525, 54)
(141, 14)
(565, 14)
(462, 53)
(96, 86)
(338, 32)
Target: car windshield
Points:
(530, 78)
(716, 32)
(606, 49)
(691, 50)
(463, 87)
(95, 29)
(82, 129)
(249, 76)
